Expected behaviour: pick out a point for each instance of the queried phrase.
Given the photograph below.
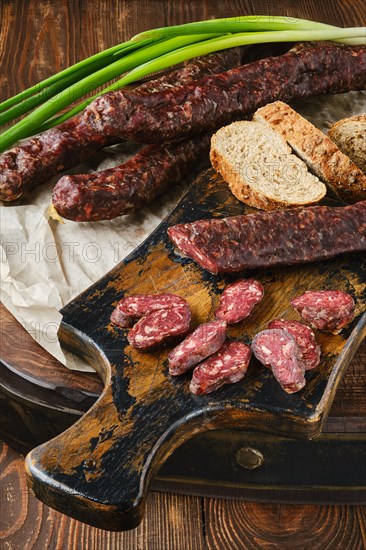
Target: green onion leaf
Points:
(107, 55)
(248, 23)
(238, 39)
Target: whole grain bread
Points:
(320, 153)
(260, 168)
(350, 136)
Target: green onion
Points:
(238, 39)
(251, 23)
(105, 55)
(48, 92)
(30, 123)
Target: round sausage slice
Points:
(238, 300)
(226, 366)
(328, 310)
(305, 339)
(277, 349)
(203, 342)
(160, 327)
(132, 308)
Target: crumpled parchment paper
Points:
(45, 264)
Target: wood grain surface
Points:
(176, 522)
(38, 38)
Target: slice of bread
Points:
(319, 152)
(350, 136)
(260, 168)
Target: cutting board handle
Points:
(98, 471)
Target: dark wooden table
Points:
(39, 38)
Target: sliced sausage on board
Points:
(228, 365)
(305, 339)
(132, 308)
(327, 310)
(203, 342)
(277, 349)
(238, 300)
(160, 327)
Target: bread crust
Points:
(319, 152)
(350, 136)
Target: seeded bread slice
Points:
(260, 168)
(319, 152)
(350, 136)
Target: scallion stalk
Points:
(245, 23)
(48, 92)
(108, 56)
(231, 41)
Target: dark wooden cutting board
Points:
(99, 470)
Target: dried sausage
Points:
(328, 310)
(203, 342)
(238, 300)
(219, 99)
(132, 308)
(277, 349)
(267, 239)
(183, 110)
(227, 366)
(39, 158)
(160, 327)
(305, 339)
(129, 186)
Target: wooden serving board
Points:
(99, 470)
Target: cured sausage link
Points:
(39, 158)
(116, 191)
(219, 99)
(268, 239)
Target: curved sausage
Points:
(219, 99)
(129, 186)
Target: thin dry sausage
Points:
(268, 239)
